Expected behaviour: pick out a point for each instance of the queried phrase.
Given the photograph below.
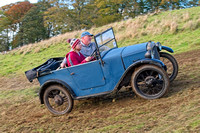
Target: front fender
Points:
(53, 82)
(146, 61)
(136, 64)
(168, 49)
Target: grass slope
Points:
(179, 29)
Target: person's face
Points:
(87, 39)
(78, 46)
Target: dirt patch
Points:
(14, 82)
(176, 112)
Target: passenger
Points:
(87, 46)
(75, 57)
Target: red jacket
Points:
(74, 58)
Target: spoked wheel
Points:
(58, 100)
(171, 63)
(150, 82)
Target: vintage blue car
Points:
(138, 66)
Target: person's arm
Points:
(87, 59)
(64, 63)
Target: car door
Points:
(88, 75)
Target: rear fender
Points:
(54, 82)
(168, 49)
(127, 74)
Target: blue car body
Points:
(108, 73)
(95, 78)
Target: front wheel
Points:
(171, 63)
(150, 82)
(58, 100)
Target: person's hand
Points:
(88, 58)
(63, 65)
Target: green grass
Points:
(18, 63)
(180, 42)
(195, 123)
(18, 94)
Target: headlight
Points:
(158, 44)
(150, 51)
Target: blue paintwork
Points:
(168, 49)
(93, 77)
(103, 75)
(133, 53)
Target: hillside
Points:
(20, 109)
(178, 29)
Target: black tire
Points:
(58, 100)
(171, 63)
(150, 82)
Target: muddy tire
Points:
(58, 100)
(150, 82)
(171, 63)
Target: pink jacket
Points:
(74, 58)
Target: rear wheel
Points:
(150, 82)
(171, 63)
(58, 100)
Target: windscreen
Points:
(106, 39)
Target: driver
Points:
(74, 57)
(87, 46)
